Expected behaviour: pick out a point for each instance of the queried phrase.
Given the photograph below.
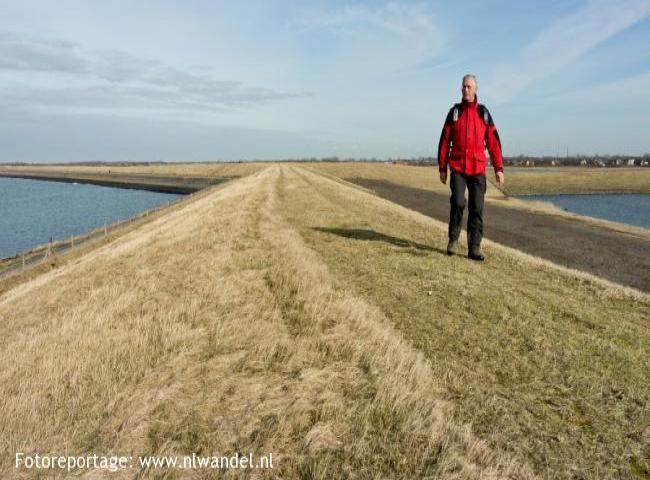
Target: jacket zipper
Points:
(466, 140)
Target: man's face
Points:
(469, 89)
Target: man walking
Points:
(468, 129)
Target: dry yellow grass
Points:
(519, 181)
(548, 364)
(292, 313)
(425, 178)
(216, 329)
(577, 180)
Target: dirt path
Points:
(619, 257)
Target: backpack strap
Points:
(454, 113)
(484, 113)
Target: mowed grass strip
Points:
(550, 366)
(214, 329)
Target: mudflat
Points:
(156, 183)
(616, 256)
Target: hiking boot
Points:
(452, 247)
(474, 253)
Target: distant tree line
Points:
(551, 161)
(517, 161)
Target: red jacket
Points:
(468, 129)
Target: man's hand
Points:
(501, 179)
(443, 176)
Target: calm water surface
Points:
(32, 211)
(630, 208)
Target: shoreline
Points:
(603, 192)
(63, 252)
(551, 198)
(162, 184)
(37, 254)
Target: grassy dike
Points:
(292, 313)
(216, 329)
(548, 365)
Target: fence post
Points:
(72, 241)
(23, 262)
(105, 231)
(49, 248)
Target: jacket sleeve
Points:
(494, 145)
(445, 142)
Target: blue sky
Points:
(209, 80)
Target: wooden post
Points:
(105, 231)
(23, 262)
(49, 248)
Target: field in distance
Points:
(518, 180)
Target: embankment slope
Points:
(215, 329)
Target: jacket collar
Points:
(470, 104)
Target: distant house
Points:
(583, 162)
(644, 163)
(630, 162)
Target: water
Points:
(32, 211)
(630, 208)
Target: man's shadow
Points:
(371, 235)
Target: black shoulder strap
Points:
(450, 116)
(454, 113)
(484, 113)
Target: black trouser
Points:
(476, 188)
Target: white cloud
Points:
(114, 80)
(622, 91)
(388, 36)
(22, 52)
(399, 18)
(563, 42)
